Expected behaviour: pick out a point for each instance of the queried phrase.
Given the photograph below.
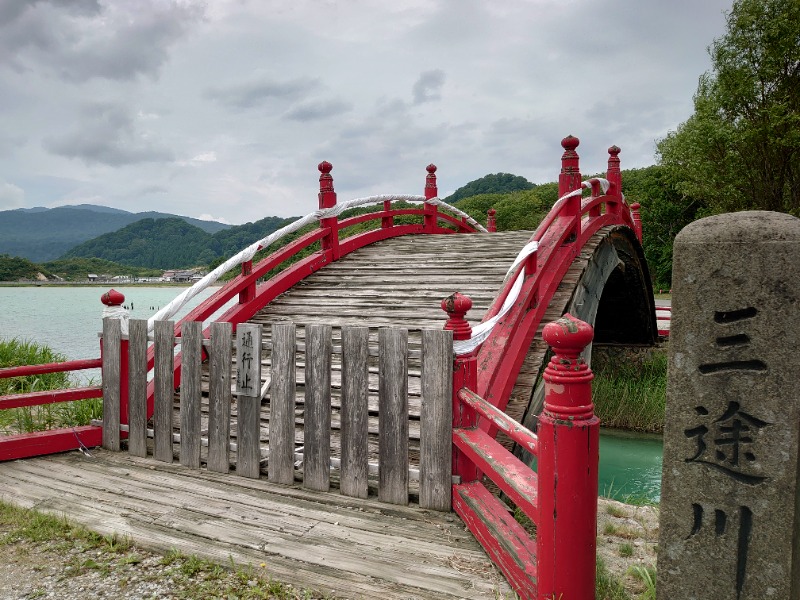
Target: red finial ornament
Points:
(568, 337)
(327, 197)
(431, 189)
(613, 173)
(491, 220)
(570, 177)
(457, 305)
(112, 298)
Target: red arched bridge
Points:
(329, 362)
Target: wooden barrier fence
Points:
(257, 398)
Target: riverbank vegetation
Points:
(631, 394)
(14, 353)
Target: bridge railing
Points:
(557, 242)
(560, 499)
(23, 444)
(340, 413)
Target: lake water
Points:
(68, 320)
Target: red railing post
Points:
(327, 199)
(465, 375)
(249, 292)
(569, 180)
(429, 221)
(387, 222)
(569, 434)
(614, 176)
(637, 220)
(491, 220)
(113, 301)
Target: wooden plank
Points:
(112, 339)
(163, 378)
(504, 540)
(137, 387)
(506, 471)
(377, 551)
(355, 412)
(393, 424)
(219, 399)
(435, 444)
(317, 422)
(191, 355)
(248, 388)
(281, 424)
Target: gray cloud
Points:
(318, 109)
(256, 93)
(108, 135)
(428, 87)
(81, 40)
(11, 196)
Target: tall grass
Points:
(631, 394)
(15, 353)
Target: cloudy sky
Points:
(223, 109)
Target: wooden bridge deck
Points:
(343, 547)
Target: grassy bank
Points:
(631, 394)
(14, 353)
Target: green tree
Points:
(741, 148)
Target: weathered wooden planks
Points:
(393, 424)
(164, 390)
(317, 427)
(248, 391)
(340, 546)
(137, 388)
(112, 338)
(281, 426)
(355, 412)
(219, 398)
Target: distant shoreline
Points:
(93, 284)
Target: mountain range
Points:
(43, 234)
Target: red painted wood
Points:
(49, 397)
(516, 479)
(637, 220)
(327, 199)
(491, 220)
(48, 442)
(430, 221)
(505, 541)
(516, 431)
(569, 434)
(501, 356)
(59, 367)
(249, 291)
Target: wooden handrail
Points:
(58, 367)
(516, 431)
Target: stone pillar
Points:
(730, 516)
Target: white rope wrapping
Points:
(180, 301)
(117, 312)
(481, 332)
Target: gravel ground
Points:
(627, 536)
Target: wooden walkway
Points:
(340, 546)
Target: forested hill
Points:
(173, 243)
(42, 234)
(496, 183)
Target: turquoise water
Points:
(630, 466)
(68, 320)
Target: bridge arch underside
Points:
(613, 292)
